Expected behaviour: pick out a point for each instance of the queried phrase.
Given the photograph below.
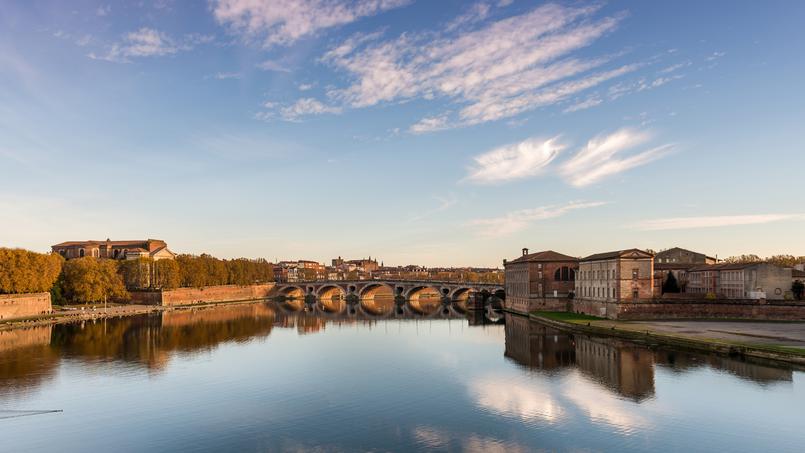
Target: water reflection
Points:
(30, 356)
(292, 376)
(625, 368)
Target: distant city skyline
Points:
(435, 133)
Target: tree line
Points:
(778, 260)
(95, 280)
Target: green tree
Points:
(670, 285)
(798, 288)
(92, 280)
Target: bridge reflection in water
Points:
(623, 367)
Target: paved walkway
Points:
(758, 333)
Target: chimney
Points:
(525, 251)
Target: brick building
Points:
(619, 276)
(740, 281)
(147, 248)
(539, 280)
(677, 261)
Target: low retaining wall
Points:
(678, 309)
(203, 295)
(537, 304)
(24, 305)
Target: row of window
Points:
(602, 274)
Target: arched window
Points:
(81, 253)
(564, 274)
(117, 253)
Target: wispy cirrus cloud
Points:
(604, 156)
(515, 221)
(601, 157)
(148, 42)
(684, 223)
(300, 108)
(515, 161)
(282, 22)
(489, 70)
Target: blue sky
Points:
(431, 132)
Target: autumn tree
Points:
(23, 271)
(92, 280)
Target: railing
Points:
(392, 280)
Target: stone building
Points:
(740, 281)
(677, 261)
(620, 276)
(147, 248)
(542, 280)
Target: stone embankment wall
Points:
(24, 305)
(203, 295)
(537, 304)
(695, 309)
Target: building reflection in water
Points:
(625, 368)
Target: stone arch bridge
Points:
(413, 290)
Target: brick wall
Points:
(207, 294)
(692, 309)
(24, 305)
(527, 305)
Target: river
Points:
(267, 377)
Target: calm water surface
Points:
(263, 377)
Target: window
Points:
(635, 273)
(81, 253)
(635, 294)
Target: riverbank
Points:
(766, 341)
(75, 313)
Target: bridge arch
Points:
(292, 292)
(424, 299)
(331, 292)
(377, 299)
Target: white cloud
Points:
(271, 65)
(519, 220)
(583, 105)
(515, 161)
(496, 71)
(305, 86)
(430, 124)
(103, 10)
(600, 157)
(716, 56)
(293, 112)
(145, 42)
(445, 203)
(285, 21)
(477, 12)
(227, 75)
(682, 223)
